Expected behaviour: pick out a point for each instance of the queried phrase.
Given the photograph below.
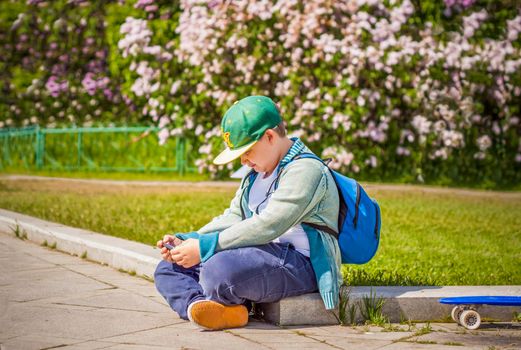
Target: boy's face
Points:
(262, 157)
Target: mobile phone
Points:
(168, 246)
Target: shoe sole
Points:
(191, 306)
(189, 311)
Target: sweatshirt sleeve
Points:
(302, 186)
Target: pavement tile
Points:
(499, 328)
(353, 343)
(116, 299)
(417, 346)
(30, 341)
(483, 339)
(259, 327)
(31, 285)
(383, 336)
(88, 345)
(133, 347)
(111, 274)
(313, 346)
(281, 338)
(117, 278)
(46, 304)
(80, 324)
(325, 330)
(446, 327)
(186, 335)
(64, 258)
(435, 327)
(375, 333)
(8, 264)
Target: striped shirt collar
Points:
(295, 149)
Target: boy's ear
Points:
(270, 134)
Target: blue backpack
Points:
(359, 220)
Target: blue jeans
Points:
(259, 274)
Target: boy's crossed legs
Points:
(213, 294)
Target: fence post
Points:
(38, 149)
(42, 147)
(179, 154)
(80, 144)
(7, 156)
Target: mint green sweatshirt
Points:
(306, 194)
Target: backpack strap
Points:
(301, 156)
(314, 156)
(326, 163)
(249, 177)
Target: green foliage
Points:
(64, 42)
(426, 329)
(371, 309)
(19, 232)
(346, 310)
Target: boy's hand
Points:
(187, 254)
(165, 253)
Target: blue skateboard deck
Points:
(483, 300)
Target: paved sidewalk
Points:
(51, 300)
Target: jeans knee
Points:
(216, 278)
(162, 269)
(209, 279)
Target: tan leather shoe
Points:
(211, 315)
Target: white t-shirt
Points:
(257, 202)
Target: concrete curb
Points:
(116, 252)
(401, 303)
(418, 304)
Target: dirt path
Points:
(117, 185)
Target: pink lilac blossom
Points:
(137, 36)
(359, 40)
(56, 87)
(462, 3)
(91, 84)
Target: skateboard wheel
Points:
(456, 312)
(470, 319)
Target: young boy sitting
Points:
(261, 249)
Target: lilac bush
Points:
(56, 66)
(361, 81)
(395, 90)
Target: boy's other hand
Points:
(187, 254)
(165, 253)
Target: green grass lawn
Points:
(429, 237)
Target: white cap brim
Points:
(228, 155)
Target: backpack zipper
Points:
(355, 219)
(377, 220)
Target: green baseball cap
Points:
(244, 124)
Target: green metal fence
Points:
(126, 149)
